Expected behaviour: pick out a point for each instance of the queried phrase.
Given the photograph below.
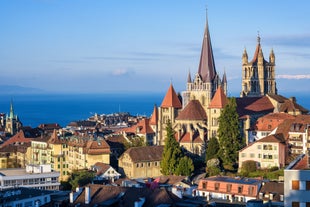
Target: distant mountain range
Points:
(14, 89)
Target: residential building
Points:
(141, 162)
(266, 124)
(228, 188)
(34, 176)
(267, 152)
(25, 197)
(105, 172)
(297, 182)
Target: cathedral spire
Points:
(189, 78)
(11, 110)
(206, 68)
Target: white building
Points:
(34, 176)
(297, 182)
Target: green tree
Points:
(185, 166)
(135, 141)
(230, 140)
(212, 148)
(171, 154)
(81, 178)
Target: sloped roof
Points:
(103, 193)
(276, 188)
(154, 117)
(253, 105)
(219, 99)
(206, 68)
(278, 138)
(291, 106)
(94, 147)
(143, 125)
(17, 138)
(192, 111)
(186, 138)
(171, 99)
(138, 154)
(271, 121)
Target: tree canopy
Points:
(229, 135)
(174, 162)
(212, 149)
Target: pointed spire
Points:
(258, 50)
(154, 117)
(206, 68)
(224, 79)
(219, 99)
(189, 78)
(171, 99)
(11, 110)
(272, 57)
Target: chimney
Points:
(71, 197)
(87, 195)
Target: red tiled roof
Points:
(171, 99)
(154, 117)
(17, 138)
(94, 147)
(143, 127)
(302, 164)
(253, 105)
(278, 138)
(271, 121)
(219, 99)
(186, 138)
(192, 111)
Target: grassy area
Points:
(266, 174)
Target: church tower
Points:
(206, 81)
(12, 123)
(258, 75)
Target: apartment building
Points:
(229, 188)
(33, 176)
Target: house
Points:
(297, 182)
(141, 162)
(272, 192)
(266, 152)
(266, 124)
(105, 172)
(228, 188)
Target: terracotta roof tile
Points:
(97, 147)
(253, 105)
(154, 117)
(171, 99)
(138, 154)
(219, 99)
(142, 127)
(278, 138)
(271, 121)
(192, 111)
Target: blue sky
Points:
(97, 46)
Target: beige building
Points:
(266, 152)
(141, 162)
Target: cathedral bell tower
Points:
(258, 75)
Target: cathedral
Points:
(194, 114)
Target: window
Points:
(295, 184)
(259, 155)
(216, 186)
(295, 204)
(259, 146)
(240, 189)
(204, 185)
(243, 155)
(252, 155)
(307, 185)
(228, 186)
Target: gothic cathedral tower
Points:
(206, 81)
(258, 76)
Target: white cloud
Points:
(296, 77)
(121, 72)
